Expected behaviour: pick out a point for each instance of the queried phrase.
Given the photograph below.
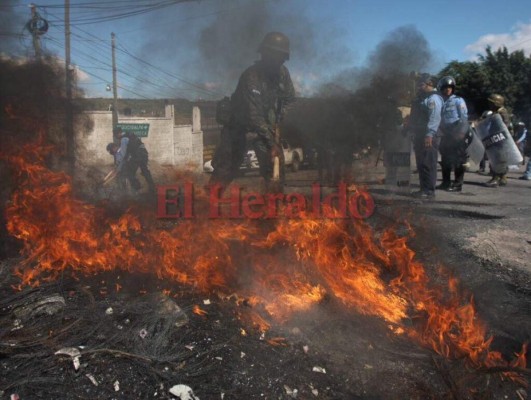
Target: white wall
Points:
(167, 144)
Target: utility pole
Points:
(34, 32)
(69, 119)
(114, 84)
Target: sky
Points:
(197, 49)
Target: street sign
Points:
(140, 130)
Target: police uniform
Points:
(424, 122)
(453, 147)
(257, 105)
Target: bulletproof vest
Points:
(134, 144)
(274, 91)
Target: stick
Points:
(109, 177)
(276, 169)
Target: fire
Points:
(279, 268)
(199, 311)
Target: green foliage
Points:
(508, 74)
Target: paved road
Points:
(492, 223)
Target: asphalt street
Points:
(494, 224)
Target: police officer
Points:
(134, 156)
(424, 124)
(454, 124)
(257, 105)
(497, 105)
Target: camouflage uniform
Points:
(257, 105)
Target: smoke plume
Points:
(224, 43)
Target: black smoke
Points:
(359, 107)
(224, 42)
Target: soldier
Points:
(424, 124)
(257, 105)
(454, 117)
(497, 105)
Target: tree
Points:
(508, 74)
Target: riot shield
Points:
(397, 160)
(499, 144)
(474, 146)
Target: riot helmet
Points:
(276, 42)
(496, 99)
(446, 81)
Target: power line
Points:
(169, 74)
(143, 9)
(97, 43)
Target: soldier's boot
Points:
(503, 180)
(494, 182)
(445, 185)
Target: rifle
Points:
(276, 159)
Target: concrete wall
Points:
(167, 144)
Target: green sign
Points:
(140, 130)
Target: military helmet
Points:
(275, 41)
(446, 81)
(496, 99)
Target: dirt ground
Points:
(480, 235)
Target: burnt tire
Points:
(296, 163)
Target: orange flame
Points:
(286, 269)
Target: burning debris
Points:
(75, 295)
(276, 271)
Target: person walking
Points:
(454, 124)
(135, 156)
(423, 125)
(263, 92)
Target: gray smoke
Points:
(358, 107)
(223, 45)
(11, 25)
(403, 50)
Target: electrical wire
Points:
(159, 77)
(113, 17)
